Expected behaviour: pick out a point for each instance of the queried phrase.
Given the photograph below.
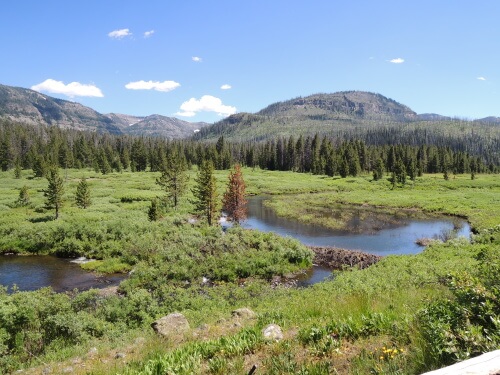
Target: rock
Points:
(139, 341)
(172, 324)
(109, 291)
(272, 332)
(424, 241)
(244, 313)
(46, 370)
(119, 355)
(92, 352)
(68, 370)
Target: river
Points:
(393, 237)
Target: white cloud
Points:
(206, 103)
(71, 89)
(196, 59)
(164, 86)
(225, 87)
(399, 60)
(481, 78)
(147, 34)
(118, 34)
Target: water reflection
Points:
(396, 235)
(34, 272)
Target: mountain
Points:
(348, 104)
(318, 113)
(31, 107)
(433, 117)
(156, 125)
(346, 115)
(489, 120)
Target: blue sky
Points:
(202, 60)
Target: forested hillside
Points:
(37, 148)
(371, 118)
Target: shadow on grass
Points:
(41, 219)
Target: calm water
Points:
(34, 272)
(395, 236)
(385, 236)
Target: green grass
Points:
(477, 200)
(340, 325)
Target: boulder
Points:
(272, 332)
(172, 324)
(244, 313)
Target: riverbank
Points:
(459, 197)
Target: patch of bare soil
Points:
(336, 258)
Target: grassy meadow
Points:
(404, 315)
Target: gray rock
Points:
(172, 324)
(244, 313)
(92, 352)
(272, 332)
(119, 355)
(139, 341)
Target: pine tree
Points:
(17, 171)
(55, 190)
(174, 177)
(234, 198)
(139, 156)
(39, 166)
(5, 154)
(344, 167)
(412, 169)
(400, 171)
(24, 197)
(82, 196)
(205, 193)
(378, 172)
(154, 210)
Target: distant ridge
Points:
(357, 104)
(342, 112)
(433, 117)
(33, 108)
(489, 120)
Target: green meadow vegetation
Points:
(403, 315)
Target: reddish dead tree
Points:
(234, 202)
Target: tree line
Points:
(40, 148)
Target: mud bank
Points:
(336, 258)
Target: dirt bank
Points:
(336, 258)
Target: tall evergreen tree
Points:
(154, 210)
(55, 190)
(39, 166)
(234, 198)
(400, 171)
(17, 170)
(6, 156)
(139, 156)
(82, 196)
(24, 197)
(378, 172)
(206, 199)
(174, 177)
